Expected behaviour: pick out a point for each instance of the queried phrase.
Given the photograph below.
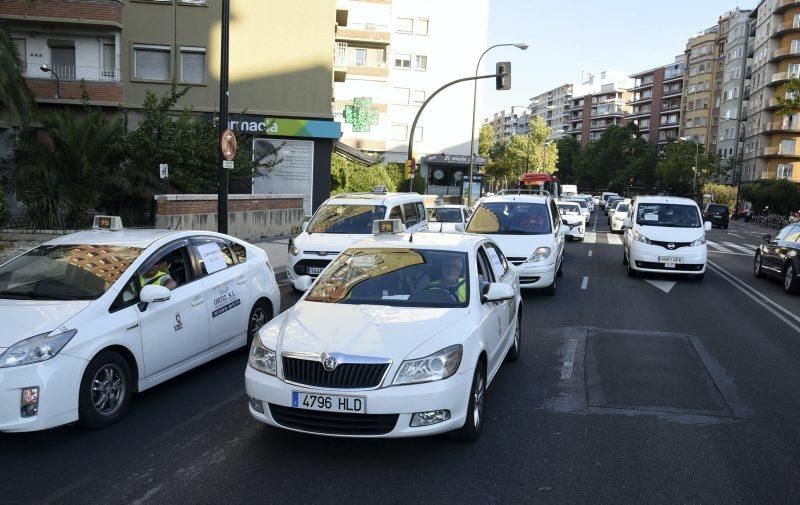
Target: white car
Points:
(448, 218)
(397, 338)
(528, 229)
(91, 317)
(584, 208)
(665, 234)
(571, 217)
(345, 219)
(617, 219)
(612, 207)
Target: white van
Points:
(665, 234)
(344, 219)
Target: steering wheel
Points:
(436, 289)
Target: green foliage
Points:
(773, 196)
(722, 193)
(569, 151)
(485, 140)
(618, 159)
(791, 104)
(5, 215)
(675, 169)
(349, 177)
(15, 97)
(522, 153)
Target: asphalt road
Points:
(655, 390)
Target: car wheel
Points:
(624, 257)
(105, 392)
(259, 316)
(757, 270)
(631, 272)
(790, 284)
(473, 426)
(514, 351)
(560, 271)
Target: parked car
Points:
(448, 218)
(345, 219)
(777, 256)
(529, 231)
(92, 317)
(572, 217)
(398, 338)
(718, 214)
(665, 234)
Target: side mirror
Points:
(626, 223)
(766, 238)
(563, 229)
(152, 294)
(564, 221)
(305, 225)
(303, 283)
(707, 226)
(460, 227)
(498, 292)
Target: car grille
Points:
(344, 376)
(301, 267)
(516, 260)
(678, 245)
(333, 423)
(679, 267)
(528, 280)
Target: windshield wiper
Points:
(31, 295)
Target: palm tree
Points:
(15, 97)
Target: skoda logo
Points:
(670, 246)
(329, 363)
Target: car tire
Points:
(757, 270)
(624, 257)
(560, 271)
(260, 315)
(630, 271)
(514, 351)
(105, 390)
(473, 425)
(790, 284)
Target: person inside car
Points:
(451, 279)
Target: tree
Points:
(569, 151)
(349, 177)
(790, 104)
(15, 97)
(485, 140)
(772, 196)
(619, 158)
(675, 169)
(722, 193)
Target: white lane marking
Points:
(590, 252)
(569, 358)
(590, 238)
(665, 286)
(613, 239)
(766, 302)
(739, 248)
(585, 283)
(735, 234)
(717, 246)
(752, 247)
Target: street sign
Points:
(227, 164)
(227, 145)
(163, 169)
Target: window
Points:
(381, 58)
(239, 251)
(399, 132)
(787, 146)
(109, 55)
(396, 213)
(795, 46)
(420, 62)
(193, 65)
(417, 96)
(405, 25)
(794, 70)
(21, 45)
(169, 267)
(421, 211)
(62, 57)
(360, 57)
(501, 264)
(151, 62)
(213, 255)
(345, 218)
(422, 26)
(511, 218)
(410, 211)
(400, 96)
(785, 171)
(194, 2)
(402, 61)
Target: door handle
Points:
(197, 301)
(241, 279)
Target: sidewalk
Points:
(277, 250)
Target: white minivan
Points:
(345, 219)
(529, 231)
(665, 234)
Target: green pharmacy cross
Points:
(361, 114)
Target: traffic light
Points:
(411, 165)
(503, 77)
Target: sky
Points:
(567, 36)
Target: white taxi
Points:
(572, 217)
(399, 337)
(448, 218)
(91, 317)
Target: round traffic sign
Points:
(227, 145)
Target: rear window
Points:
(623, 207)
(717, 208)
(510, 218)
(346, 218)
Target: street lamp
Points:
(46, 68)
(696, 154)
(519, 45)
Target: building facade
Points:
(656, 102)
(553, 107)
(595, 107)
(701, 88)
(506, 124)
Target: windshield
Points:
(509, 218)
(345, 218)
(623, 207)
(65, 272)
(569, 210)
(582, 203)
(668, 214)
(397, 277)
(444, 215)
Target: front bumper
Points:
(300, 264)
(58, 380)
(577, 232)
(451, 394)
(536, 275)
(616, 225)
(645, 258)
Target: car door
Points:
(176, 330)
(502, 272)
(491, 325)
(224, 280)
(774, 250)
(785, 246)
(558, 238)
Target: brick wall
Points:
(171, 207)
(98, 91)
(93, 10)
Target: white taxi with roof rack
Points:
(93, 316)
(399, 337)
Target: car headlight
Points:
(700, 241)
(438, 366)
(641, 238)
(36, 349)
(540, 254)
(262, 358)
(293, 249)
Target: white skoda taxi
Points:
(91, 317)
(399, 337)
(345, 219)
(572, 217)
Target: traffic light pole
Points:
(410, 157)
(222, 197)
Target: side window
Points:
(411, 214)
(794, 234)
(421, 211)
(555, 215)
(497, 259)
(212, 255)
(784, 233)
(395, 213)
(170, 268)
(485, 274)
(239, 251)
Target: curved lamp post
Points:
(46, 68)
(696, 154)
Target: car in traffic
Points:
(584, 206)
(604, 196)
(665, 234)
(718, 214)
(345, 219)
(529, 231)
(617, 220)
(92, 317)
(448, 218)
(777, 257)
(571, 217)
(612, 208)
(399, 337)
(611, 202)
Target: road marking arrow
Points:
(665, 286)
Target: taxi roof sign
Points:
(387, 227)
(111, 223)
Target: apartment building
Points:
(599, 101)
(553, 107)
(701, 88)
(656, 101)
(738, 51)
(505, 125)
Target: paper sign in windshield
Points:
(496, 264)
(212, 257)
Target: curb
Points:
(282, 275)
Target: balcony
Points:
(771, 152)
(778, 78)
(784, 53)
(784, 5)
(340, 62)
(667, 108)
(642, 85)
(67, 12)
(639, 114)
(772, 104)
(780, 126)
(365, 33)
(784, 28)
(106, 88)
(673, 76)
(666, 94)
(669, 124)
